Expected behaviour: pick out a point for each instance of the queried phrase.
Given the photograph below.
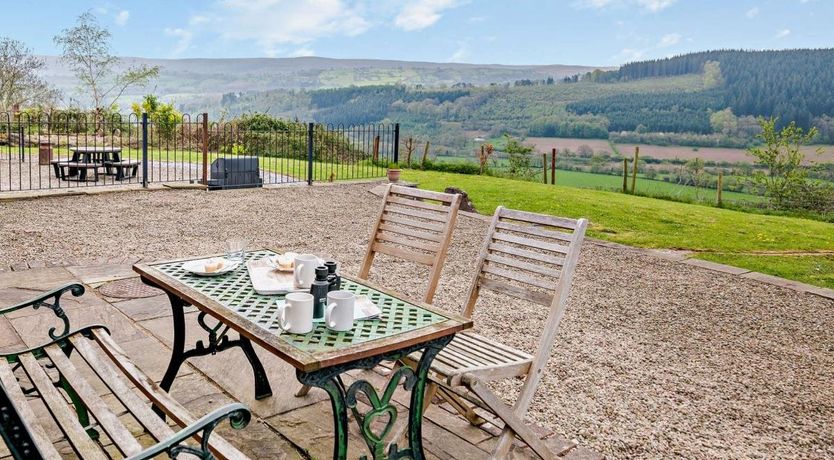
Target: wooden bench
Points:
(121, 167)
(69, 386)
(66, 169)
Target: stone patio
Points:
(283, 427)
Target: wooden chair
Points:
(46, 374)
(529, 257)
(412, 229)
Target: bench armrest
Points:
(52, 301)
(237, 414)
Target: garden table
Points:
(319, 357)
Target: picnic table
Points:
(320, 357)
(86, 158)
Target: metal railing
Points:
(71, 149)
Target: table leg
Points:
(218, 341)
(342, 399)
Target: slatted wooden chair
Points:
(532, 258)
(93, 428)
(412, 229)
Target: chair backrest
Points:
(414, 225)
(531, 257)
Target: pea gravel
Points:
(654, 359)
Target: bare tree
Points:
(19, 80)
(86, 49)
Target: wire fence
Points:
(66, 150)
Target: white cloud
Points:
(419, 14)
(273, 23)
(462, 52)
(783, 33)
(183, 37)
(629, 55)
(122, 17)
(669, 40)
(303, 52)
(752, 12)
(646, 5)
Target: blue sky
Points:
(590, 32)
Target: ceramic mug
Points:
(305, 270)
(339, 313)
(297, 313)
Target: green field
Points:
(720, 235)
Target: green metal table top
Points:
(234, 291)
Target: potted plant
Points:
(393, 172)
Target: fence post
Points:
(720, 189)
(625, 175)
(310, 128)
(144, 149)
(553, 167)
(544, 167)
(205, 148)
(397, 143)
(634, 172)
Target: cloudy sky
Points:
(591, 32)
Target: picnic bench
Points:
(73, 402)
(66, 170)
(122, 166)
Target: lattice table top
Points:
(234, 291)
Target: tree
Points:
(724, 122)
(781, 157)
(519, 157)
(165, 117)
(86, 50)
(712, 75)
(19, 80)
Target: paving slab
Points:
(41, 279)
(96, 274)
(774, 280)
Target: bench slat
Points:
(220, 447)
(110, 376)
(28, 418)
(60, 409)
(114, 428)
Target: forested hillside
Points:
(793, 85)
(701, 99)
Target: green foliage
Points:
(457, 167)
(782, 159)
(724, 122)
(712, 75)
(164, 117)
(519, 157)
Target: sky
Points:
(578, 32)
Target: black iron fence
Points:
(64, 150)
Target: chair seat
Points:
(473, 354)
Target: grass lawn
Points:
(719, 235)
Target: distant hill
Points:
(794, 85)
(185, 80)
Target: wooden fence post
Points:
(425, 155)
(376, 149)
(719, 188)
(553, 167)
(544, 168)
(625, 175)
(634, 172)
(205, 148)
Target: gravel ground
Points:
(654, 359)
(28, 175)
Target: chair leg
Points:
(460, 405)
(514, 425)
(303, 391)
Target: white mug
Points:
(297, 313)
(339, 313)
(305, 270)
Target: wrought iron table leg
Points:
(262, 387)
(342, 399)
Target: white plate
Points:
(198, 267)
